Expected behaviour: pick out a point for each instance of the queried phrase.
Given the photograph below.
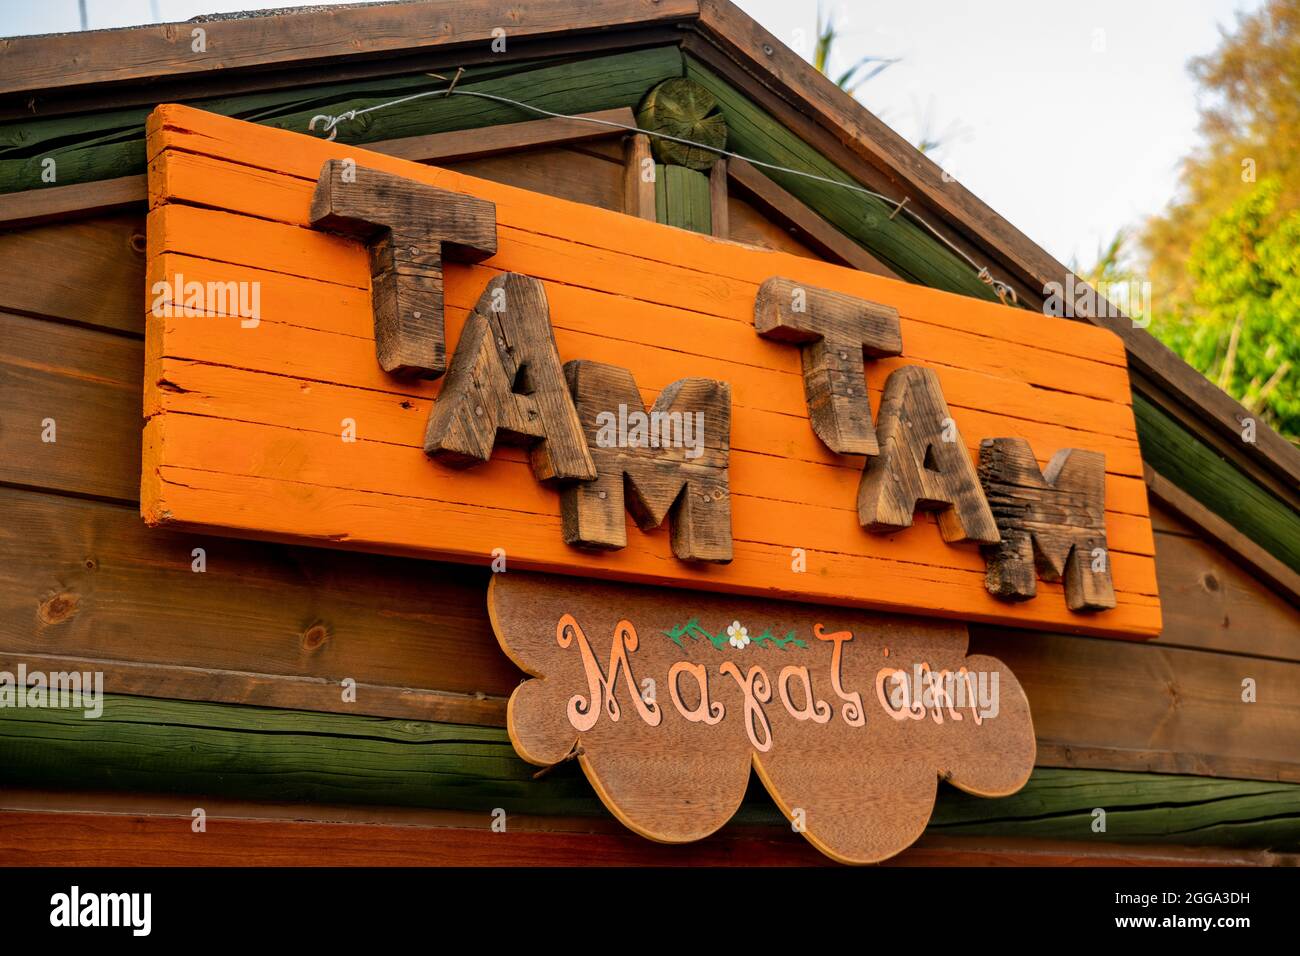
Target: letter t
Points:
(408, 227)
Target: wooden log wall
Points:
(81, 579)
(222, 751)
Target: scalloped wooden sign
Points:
(667, 698)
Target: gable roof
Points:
(77, 72)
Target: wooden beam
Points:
(507, 137)
(72, 202)
(224, 752)
(1179, 454)
(293, 691)
(293, 77)
(687, 198)
(84, 200)
(718, 200)
(251, 837)
(808, 227)
(1099, 704)
(1177, 415)
(81, 583)
(638, 187)
(1240, 545)
(159, 51)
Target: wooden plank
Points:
(162, 50)
(70, 404)
(262, 624)
(695, 275)
(1153, 708)
(87, 838)
(752, 228)
(810, 228)
(718, 224)
(639, 177)
(269, 690)
(561, 172)
(97, 380)
(1233, 541)
(68, 202)
(1213, 601)
(507, 137)
(224, 752)
(686, 199)
(104, 255)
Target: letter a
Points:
(922, 464)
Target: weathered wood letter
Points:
(408, 228)
(674, 458)
(922, 464)
(1054, 520)
(834, 332)
(506, 382)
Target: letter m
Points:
(693, 493)
(1053, 521)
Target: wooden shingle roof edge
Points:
(145, 58)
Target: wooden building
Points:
(281, 568)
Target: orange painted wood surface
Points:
(244, 424)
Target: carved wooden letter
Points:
(834, 332)
(506, 381)
(408, 227)
(1055, 520)
(922, 464)
(674, 459)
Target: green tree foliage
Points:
(1243, 326)
(1224, 259)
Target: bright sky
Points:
(1067, 118)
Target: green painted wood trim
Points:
(105, 145)
(264, 754)
(904, 246)
(686, 199)
(1194, 466)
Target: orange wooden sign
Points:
(269, 415)
(666, 699)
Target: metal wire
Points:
(1002, 289)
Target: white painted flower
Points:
(738, 633)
